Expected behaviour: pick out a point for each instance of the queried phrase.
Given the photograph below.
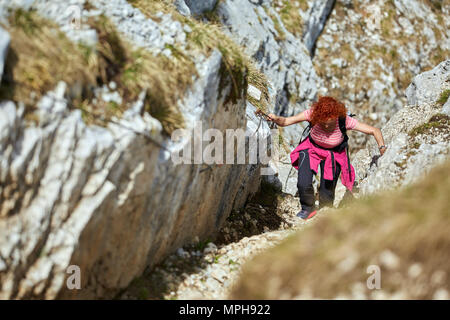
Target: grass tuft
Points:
(439, 121)
(40, 56)
(237, 68)
(443, 97)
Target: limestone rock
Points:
(200, 6)
(428, 86)
(130, 21)
(446, 108)
(283, 58)
(411, 153)
(317, 16)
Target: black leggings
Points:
(305, 187)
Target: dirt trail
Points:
(207, 270)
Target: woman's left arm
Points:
(365, 128)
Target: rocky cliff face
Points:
(89, 102)
(109, 199)
(417, 136)
(281, 56)
(391, 246)
(366, 55)
(398, 235)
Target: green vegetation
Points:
(237, 69)
(436, 5)
(140, 287)
(164, 79)
(371, 53)
(212, 15)
(411, 153)
(88, 5)
(216, 258)
(40, 56)
(439, 121)
(392, 54)
(201, 245)
(283, 142)
(444, 97)
(387, 24)
(290, 16)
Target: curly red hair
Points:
(326, 108)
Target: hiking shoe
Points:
(305, 215)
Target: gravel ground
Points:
(208, 270)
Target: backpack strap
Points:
(343, 129)
(307, 130)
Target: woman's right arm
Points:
(286, 121)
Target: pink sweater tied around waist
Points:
(316, 155)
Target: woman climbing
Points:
(326, 146)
